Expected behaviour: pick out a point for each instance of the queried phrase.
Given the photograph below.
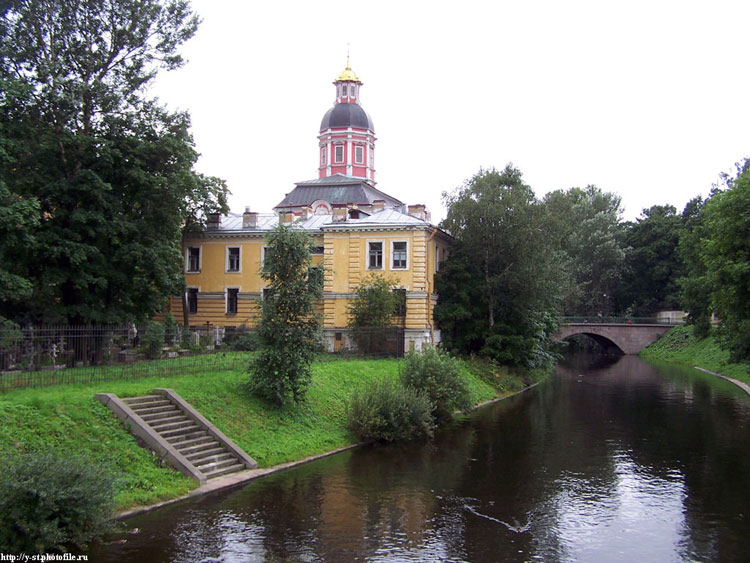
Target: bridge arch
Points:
(630, 338)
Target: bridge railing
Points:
(619, 320)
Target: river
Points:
(621, 461)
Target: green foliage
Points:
(50, 502)
(153, 340)
(503, 276)
(289, 330)
(653, 263)
(389, 412)
(244, 341)
(170, 330)
(100, 177)
(374, 302)
(725, 254)
(695, 294)
(585, 225)
(439, 376)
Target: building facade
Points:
(357, 229)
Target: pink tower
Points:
(347, 136)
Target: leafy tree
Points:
(508, 308)
(109, 170)
(695, 289)
(585, 223)
(289, 330)
(725, 252)
(374, 302)
(653, 263)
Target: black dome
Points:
(346, 115)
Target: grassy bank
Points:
(680, 346)
(68, 419)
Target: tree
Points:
(371, 312)
(725, 253)
(508, 273)
(695, 291)
(585, 223)
(653, 262)
(109, 169)
(289, 330)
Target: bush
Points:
(439, 376)
(170, 330)
(49, 502)
(389, 412)
(153, 340)
(243, 341)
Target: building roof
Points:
(334, 189)
(345, 115)
(232, 222)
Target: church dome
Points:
(346, 115)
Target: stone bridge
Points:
(630, 338)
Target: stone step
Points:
(166, 426)
(150, 408)
(213, 459)
(158, 411)
(219, 465)
(226, 471)
(176, 416)
(166, 434)
(190, 450)
(142, 399)
(197, 455)
(189, 439)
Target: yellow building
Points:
(357, 229)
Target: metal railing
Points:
(620, 320)
(36, 356)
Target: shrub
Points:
(243, 341)
(389, 412)
(439, 376)
(153, 340)
(49, 502)
(170, 330)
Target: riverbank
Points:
(68, 419)
(680, 346)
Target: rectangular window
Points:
(322, 155)
(266, 292)
(437, 258)
(231, 297)
(359, 155)
(375, 255)
(339, 154)
(399, 253)
(194, 259)
(192, 299)
(401, 306)
(233, 259)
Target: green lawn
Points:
(680, 346)
(67, 418)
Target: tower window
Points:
(322, 155)
(359, 155)
(339, 156)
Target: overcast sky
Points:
(650, 100)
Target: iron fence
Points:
(36, 356)
(621, 320)
(378, 341)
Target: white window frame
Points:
(393, 243)
(239, 260)
(336, 149)
(187, 259)
(323, 159)
(384, 258)
(226, 300)
(437, 258)
(187, 298)
(359, 154)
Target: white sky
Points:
(648, 99)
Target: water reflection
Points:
(604, 462)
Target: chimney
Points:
(249, 219)
(306, 212)
(378, 205)
(419, 211)
(214, 220)
(339, 212)
(286, 217)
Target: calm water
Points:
(624, 462)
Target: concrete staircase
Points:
(177, 432)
